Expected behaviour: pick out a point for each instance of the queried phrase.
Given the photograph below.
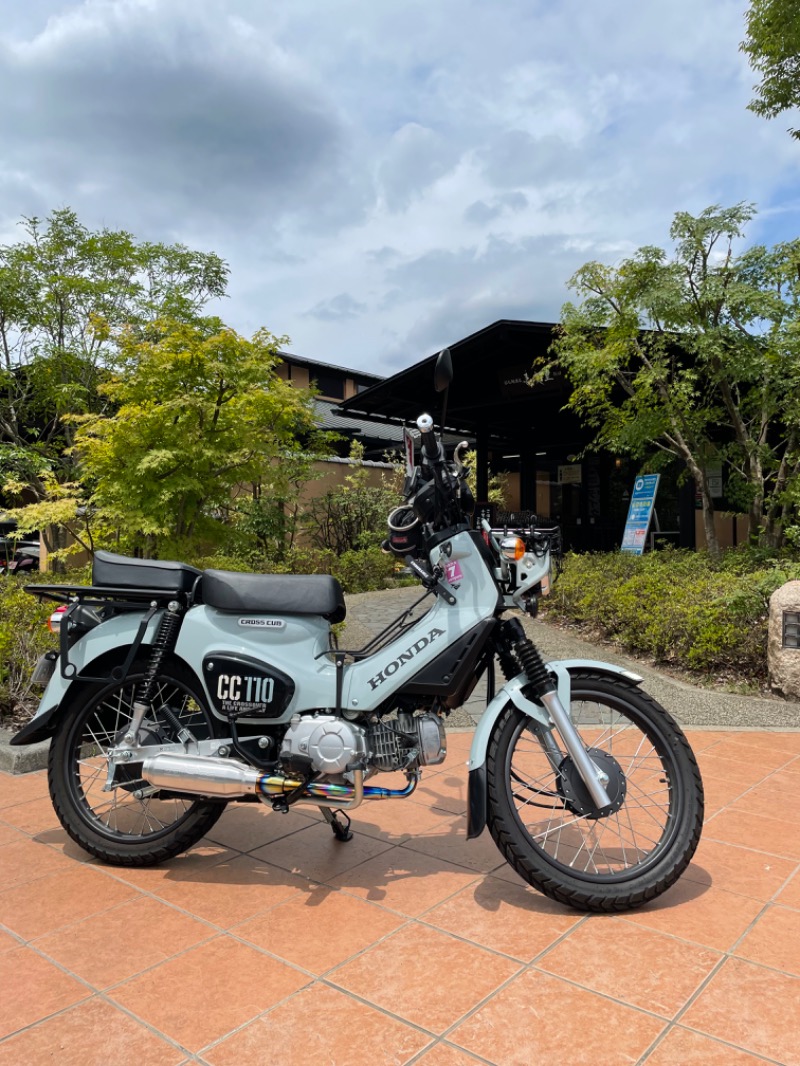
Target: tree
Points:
(64, 291)
(772, 46)
(695, 355)
(198, 411)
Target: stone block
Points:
(783, 663)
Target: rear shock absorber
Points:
(162, 646)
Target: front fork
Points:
(535, 693)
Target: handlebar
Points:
(430, 445)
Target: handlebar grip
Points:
(430, 445)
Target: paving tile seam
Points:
(441, 1042)
(675, 1027)
(758, 851)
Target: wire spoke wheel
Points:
(129, 823)
(545, 822)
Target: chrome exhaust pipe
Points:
(209, 775)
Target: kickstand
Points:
(341, 829)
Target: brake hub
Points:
(571, 787)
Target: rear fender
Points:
(108, 640)
(511, 692)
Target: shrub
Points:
(23, 638)
(676, 607)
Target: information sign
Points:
(639, 513)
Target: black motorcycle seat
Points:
(120, 571)
(316, 594)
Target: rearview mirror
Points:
(443, 374)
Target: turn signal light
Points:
(513, 547)
(54, 621)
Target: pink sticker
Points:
(453, 572)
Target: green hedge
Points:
(676, 607)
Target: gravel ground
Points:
(369, 612)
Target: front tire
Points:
(540, 819)
(116, 826)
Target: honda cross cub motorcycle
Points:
(176, 692)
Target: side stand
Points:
(339, 823)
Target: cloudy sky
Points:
(387, 176)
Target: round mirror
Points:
(443, 374)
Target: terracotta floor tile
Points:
(33, 817)
(60, 899)
(405, 881)
(92, 1032)
(790, 895)
(753, 1008)
(446, 1055)
(396, 820)
(59, 840)
(741, 771)
(770, 801)
(769, 756)
(738, 869)
(110, 947)
(705, 915)
(424, 976)
(201, 995)
(317, 854)
(541, 1019)
(444, 792)
(20, 788)
(230, 892)
(25, 860)
(449, 841)
(8, 942)
(705, 739)
(244, 827)
(33, 988)
(319, 929)
(322, 1026)
(644, 968)
(719, 792)
(191, 866)
(505, 917)
(8, 834)
(774, 941)
(764, 739)
(681, 1047)
(773, 835)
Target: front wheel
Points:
(545, 824)
(128, 824)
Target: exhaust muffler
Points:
(208, 775)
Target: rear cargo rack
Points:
(122, 599)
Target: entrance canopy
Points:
(489, 399)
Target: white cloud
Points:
(386, 178)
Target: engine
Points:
(332, 745)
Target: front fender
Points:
(512, 692)
(115, 635)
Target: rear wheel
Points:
(545, 824)
(129, 825)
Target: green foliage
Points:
(352, 516)
(676, 606)
(695, 355)
(23, 638)
(64, 291)
(199, 410)
(772, 46)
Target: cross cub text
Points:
(177, 692)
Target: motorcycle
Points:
(176, 692)
(18, 557)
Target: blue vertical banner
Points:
(640, 512)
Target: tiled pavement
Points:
(273, 942)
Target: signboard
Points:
(570, 475)
(639, 513)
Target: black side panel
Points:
(250, 688)
(476, 802)
(451, 675)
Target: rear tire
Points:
(115, 826)
(592, 862)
